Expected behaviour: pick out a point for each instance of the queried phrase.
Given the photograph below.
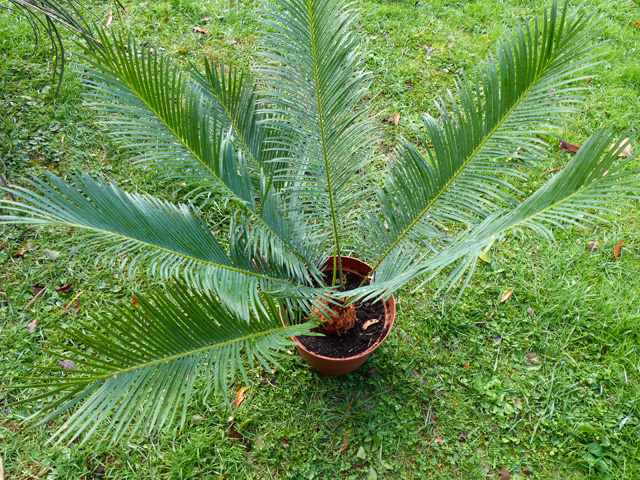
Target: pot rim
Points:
(389, 317)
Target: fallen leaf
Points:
(205, 19)
(284, 443)
(20, 253)
(166, 17)
(372, 474)
(65, 288)
(593, 245)
(345, 444)
(637, 24)
(109, 18)
(506, 295)
(235, 434)
(505, 474)
(52, 254)
(497, 338)
(39, 291)
(568, 147)
(197, 420)
(38, 288)
(623, 422)
(527, 472)
(438, 440)
(240, 397)
(67, 364)
(466, 365)
(200, 30)
(463, 436)
(532, 358)
(32, 325)
(617, 249)
(368, 323)
(396, 119)
(75, 308)
(626, 151)
(431, 416)
(136, 303)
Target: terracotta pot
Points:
(340, 366)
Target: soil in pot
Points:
(363, 335)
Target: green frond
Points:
(49, 15)
(164, 119)
(172, 240)
(315, 86)
(233, 98)
(595, 180)
(497, 123)
(147, 360)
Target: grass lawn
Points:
(545, 385)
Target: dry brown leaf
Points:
(593, 245)
(65, 289)
(626, 151)
(74, 308)
(345, 444)
(67, 364)
(284, 443)
(466, 365)
(368, 323)
(136, 303)
(532, 358)
(240, 397)
(205, 19)
(32, 325)
(431, 416)
(166, 17)
(39, 291)
(637, 24)
(200, 30)
(617, 249)
(506, 295)
(438, 440)
(505, 475)
(396, 119)
(568, 147)
(109, 18)
(20, 253)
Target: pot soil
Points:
(334, 354)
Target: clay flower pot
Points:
(340, 366)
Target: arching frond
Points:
(233, 97)
(495, 121)
(146, 361)
(595, 180)
(148, 105)
(173, 240)
(315, 86)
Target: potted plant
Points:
(290, 157)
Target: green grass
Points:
(452, 394)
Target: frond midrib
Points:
(444, 189)
(188, 257)
(245, 338)
(231, 193)
(337, 260)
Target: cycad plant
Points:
(290, 158)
